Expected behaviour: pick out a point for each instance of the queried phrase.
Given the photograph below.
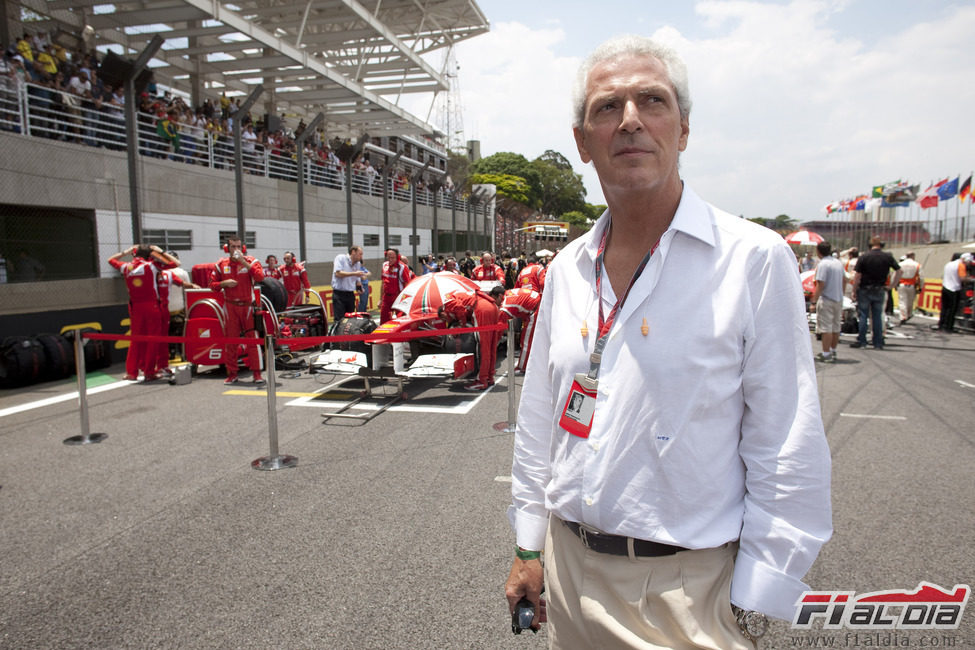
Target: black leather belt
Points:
(618, 545)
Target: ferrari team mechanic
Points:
(145, 306)
(396, 275)
(236, 276)
(522, 304)
(476, 309)
(531, 276)
(688, 495)
(487, 270)
(295, 279)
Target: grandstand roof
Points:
(340, 57)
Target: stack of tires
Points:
(46, 357)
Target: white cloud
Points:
(793, 106)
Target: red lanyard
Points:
(605, 324)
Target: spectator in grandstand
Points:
(167, 129)
(346, 274)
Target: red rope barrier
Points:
(393, 337)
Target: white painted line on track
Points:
(61, 398)
(872, 417)
(964, 383)
(502, 479)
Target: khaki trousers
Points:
(597, 601)
(906, 293)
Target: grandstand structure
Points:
(333, 56)
(66, 176)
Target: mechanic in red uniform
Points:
(236, 276)
(522, 303)
(531, 277)
(165, 279)
(144, 308)
(295, 279)
(476, 309)
(396, 275)
(271, 267)
(487, 270)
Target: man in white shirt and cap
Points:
(681, 500)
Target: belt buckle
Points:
(584, 533)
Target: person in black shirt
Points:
(870, 291)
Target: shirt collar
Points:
(693, 217)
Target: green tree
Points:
(512, 164)
(512, 188)
(562, 190)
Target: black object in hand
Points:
(522, 617)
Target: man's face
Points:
(289, 259)
(233, 246)
(273, 261)
(356, 255)
(632, 131)
(486, 260)
(392, 257)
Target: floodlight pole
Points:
(132, 133)
(300, 144)
(387, 170)
(238, 158)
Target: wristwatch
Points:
(753, 624)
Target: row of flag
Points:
(900, 194)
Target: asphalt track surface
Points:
(392, 533)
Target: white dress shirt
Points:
(343, 262)
(707, 429)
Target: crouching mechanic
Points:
(521, 304)
(295, 279)
(476, 309)
(236, 275)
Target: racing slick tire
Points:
(21, 362)
(355, 326)
(273, 290)
(59, 355)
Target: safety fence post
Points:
(85, 438)
(509, 426)
(273, 460)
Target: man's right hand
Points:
(228, 284)
(526, 580)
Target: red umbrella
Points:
(803, 238)
(425, 293)
(808, 279)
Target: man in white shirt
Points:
(347, 273)
(911, 284)
(694, 474)
(828, 299)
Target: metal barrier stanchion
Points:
(85, 438)
(273, 460)
(509, 426)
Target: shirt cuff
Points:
(762, 588)
(529, 529)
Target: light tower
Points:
(450, 109)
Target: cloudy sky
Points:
(796, 103)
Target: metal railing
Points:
(39, 111)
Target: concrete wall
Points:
(47, 173)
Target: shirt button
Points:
(588, 501)
(595, 446)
